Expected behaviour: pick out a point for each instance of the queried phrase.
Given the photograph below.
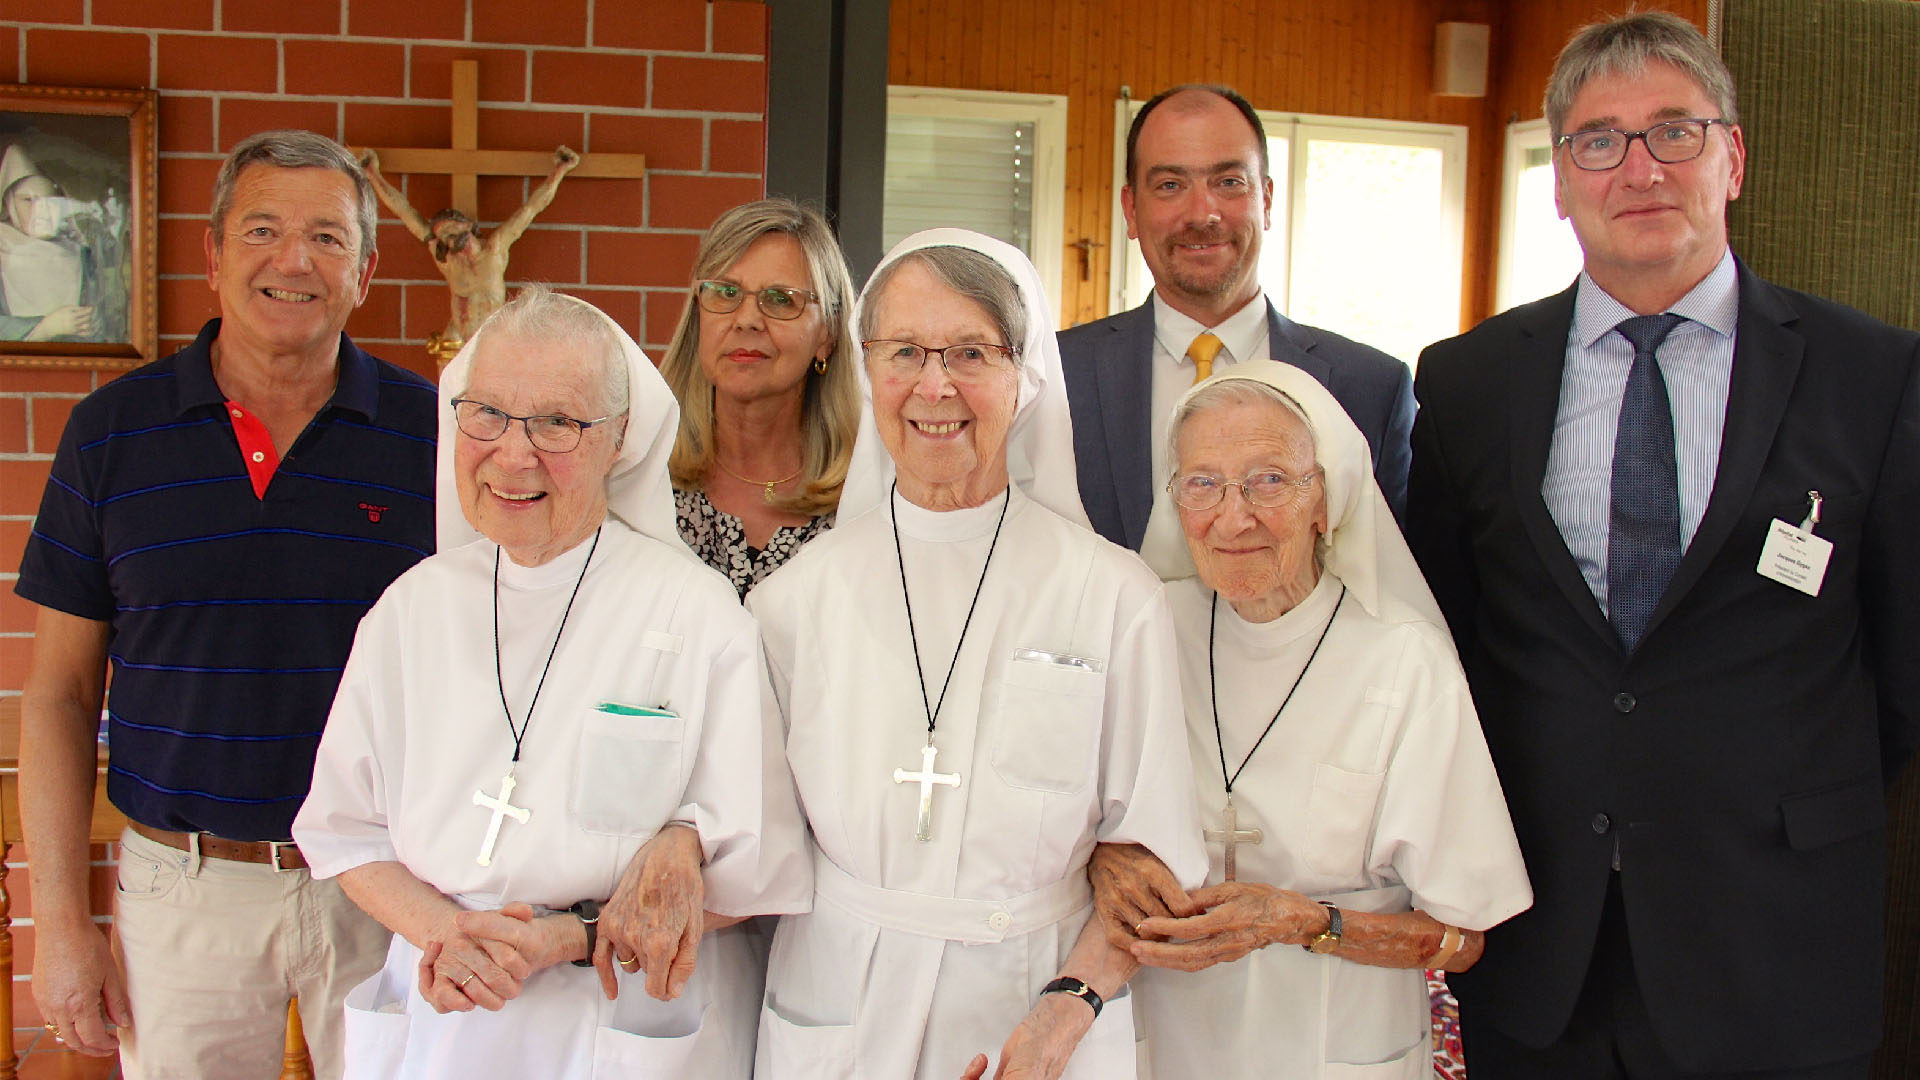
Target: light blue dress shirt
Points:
(1696, 361)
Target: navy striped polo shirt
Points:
(232, 615)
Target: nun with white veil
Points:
(1354, 822)
(550, 751)
(978, 691)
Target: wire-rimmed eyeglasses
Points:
(1263, 487)
(967, 361)
(553, 432)
(775, 301)
(1670, 143)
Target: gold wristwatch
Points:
(1329, 939)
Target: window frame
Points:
(1521, 137)
(1300, 129)
(1048, 115)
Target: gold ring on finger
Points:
(53, 1029)
(471, 975)
(631, 963)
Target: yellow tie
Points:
(1203, 350)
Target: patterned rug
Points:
(1448, 1064)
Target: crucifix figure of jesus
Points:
(502, 807)
(1232, 836)
(926, 778)
(473, 262)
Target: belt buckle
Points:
(273, 855)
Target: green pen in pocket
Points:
(614, 708)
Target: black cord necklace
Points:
(502, 804)
(500, 680)
(1232, 835)
(933, 708)
(926, 777)
(1213, 690)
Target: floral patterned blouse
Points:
(720, 540)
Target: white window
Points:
(1539, 255)
(1368, 219)
(992, 162)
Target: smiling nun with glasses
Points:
(1354, 823)
(978, 691)
(549, 752)
(763, 365)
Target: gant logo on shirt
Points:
(373, 512)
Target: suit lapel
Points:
(1126, 406)
(1534, 380)
(1289, 343)
(1766, 363)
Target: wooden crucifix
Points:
(475, 263)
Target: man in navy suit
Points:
(1198, 198)
(1671, 516)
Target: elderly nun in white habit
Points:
(551, 745)
(1356, 829)
(977, 690)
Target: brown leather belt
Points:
(279, 854)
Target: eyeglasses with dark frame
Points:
(1669, 143)
(775, 301)
(964, 362)
(553, 432)
(1268, 488)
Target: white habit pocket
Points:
(1340, 819)
(1049, 726)
(627, 772)
(793, 1051)
(632, 1056)
(376, 1025)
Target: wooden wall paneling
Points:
(968, 59)
(1527, 36)
(1372, 58)
(1535, 31)
(1028, 22)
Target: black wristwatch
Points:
(1329, 939)
(588, 912)
(1067, 984)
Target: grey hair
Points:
(974, 275)
(1246, 392)
(1234, 392)
(540, 314)
(293, 149)
(1625, 46)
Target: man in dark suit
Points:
(1670, 514)
(1198, 198)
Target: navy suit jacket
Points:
(1109, 368)
(1737, 755)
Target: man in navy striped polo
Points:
(214, 527)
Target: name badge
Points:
(1793, 555)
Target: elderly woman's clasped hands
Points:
(1162, 925)
(652, 923)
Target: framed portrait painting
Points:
(77, 263)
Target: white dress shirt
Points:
(1243, 337)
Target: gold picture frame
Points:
(77, 228)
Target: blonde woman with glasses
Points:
(762, 365)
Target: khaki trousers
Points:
(213, 950)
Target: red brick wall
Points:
(682, 81)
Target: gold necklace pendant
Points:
(767, 486)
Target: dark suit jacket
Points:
(1109, 368)
(1737, 756)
